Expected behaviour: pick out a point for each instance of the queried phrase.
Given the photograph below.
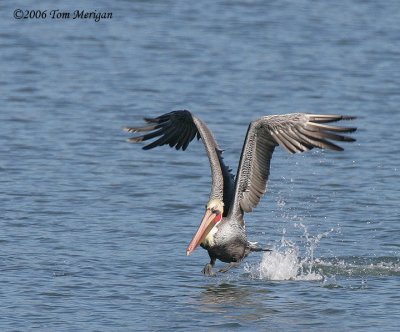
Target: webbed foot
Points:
(208, 270)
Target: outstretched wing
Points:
(178, 129)
(296, 132)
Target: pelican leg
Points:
(227, 267)
(207, 270)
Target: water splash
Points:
(284, 263)
(281, 265)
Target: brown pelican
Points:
(222, 229)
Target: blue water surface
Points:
(94, 230)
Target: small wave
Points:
(359, 266)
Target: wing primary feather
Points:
(192, 134)
(279, 140)
(174, 138)
(159, 119)
(309, 136)
(161, 141)
(323, 118)
(183, 137)
(343, 138)
(319, 127)
(140, 129)
(145, 137)
(305, 146)
(295, 143)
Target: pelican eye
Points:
(216, 211)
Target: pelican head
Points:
(212, 216)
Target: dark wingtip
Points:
(151, 120)
(350, 129)
(348, 117)
(176, 128)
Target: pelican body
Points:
(222, 229)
